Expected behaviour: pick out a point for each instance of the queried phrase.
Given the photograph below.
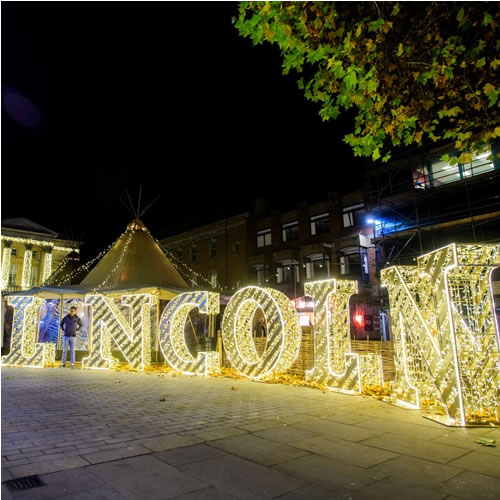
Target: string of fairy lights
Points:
(117, 265)
(87, 266)
(179, 265)
(182, 267)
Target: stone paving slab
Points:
(220, 434)
(189, 454)
(472, 486)
(285, 434)
(345, 451)
(243, 479)
(101, 493)
(309, 493)
(415, 471)
(146, 477)
(407, 429)
(258, 450)
(107, 435)
(415, 447)
(479, 462)
(337, 477)
(389, 491)
(116, 454)
(337, 429)
(206, 494)
(170, 441)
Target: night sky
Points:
(101, 97)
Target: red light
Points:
(359, 319)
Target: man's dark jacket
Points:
(70, 325)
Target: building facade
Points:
(404, 209)
(30, 254)
(284, 250)
(213, 255)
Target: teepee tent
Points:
(134, 262)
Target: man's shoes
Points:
(62, 366)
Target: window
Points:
(13, 252)
(212, 250)
(285, 273)
(421, 178)
(479, 165)
(320, 224)
(351, 215)
(290, 231)
(12, 274)
(236, 247)
(194, 253)
(317, 266)
(354, 261)
(262, 273)
(34, 254)
(264, 238)
(441, 172)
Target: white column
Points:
(7, 252)
(28, 257)
(47, 264)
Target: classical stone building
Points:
(30, 253)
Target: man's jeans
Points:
(68, 341)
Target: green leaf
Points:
(395, 10)
(488, 19)
(486, 442)
(350, 79)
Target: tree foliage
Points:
(413, 71)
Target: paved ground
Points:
(99, 435)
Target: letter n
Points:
(131, 336)
(445, 333)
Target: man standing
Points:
(260, 328)
(70, 324)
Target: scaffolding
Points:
(419, 204)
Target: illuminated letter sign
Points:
(132, 336)
(335, 365)
(283, 336)
(24, 350)
(445, 332)
(172, 339)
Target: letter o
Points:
(283, 335)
